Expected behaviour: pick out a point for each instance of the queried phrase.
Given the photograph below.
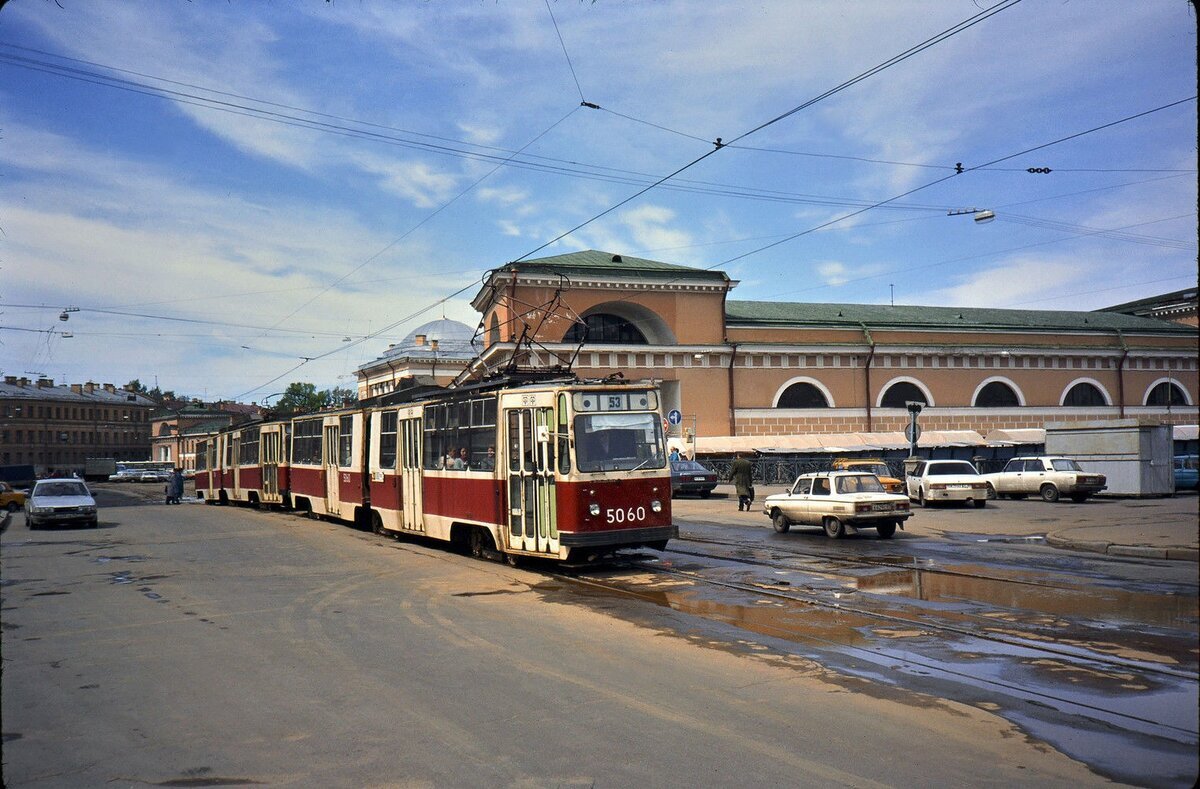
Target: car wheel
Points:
(980, 503)
(886, 530)
(834, 528)
(704, 494)
(991, 492)
(780, 522)
(1079, 498)
(12, 506)
(1049, 493)
(921, 497)
(94, 523)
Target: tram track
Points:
(1086, 661)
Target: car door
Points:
(1033, 475)
(1008, 480)
(794, 506)
(912, 480)
(818, 502)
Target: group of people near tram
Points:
(459, 459)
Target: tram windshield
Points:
(618, 442)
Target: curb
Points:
(1113, 549)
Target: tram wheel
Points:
(477, 542)
(377, 524)
(512, 560)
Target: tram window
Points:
(346, 441)
(387, 439)
(248, 447)
(306, 443)
(564, 455)
(228, 452)
(618, 442)
(201, 455)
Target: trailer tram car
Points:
(553, 469)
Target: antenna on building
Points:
(892, 289)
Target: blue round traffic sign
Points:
(674, 417)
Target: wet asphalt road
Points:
(199, 645)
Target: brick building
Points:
(747, 368)
(60, 427)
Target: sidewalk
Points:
(1161, 528)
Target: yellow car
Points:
(871, 466)
(11, 500)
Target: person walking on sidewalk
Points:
(741, 474)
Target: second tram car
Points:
(561, 470)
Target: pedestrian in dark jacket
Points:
(741, 474)
(175, 488)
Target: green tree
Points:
(339, 394)
(301, 397)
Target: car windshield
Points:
(859, 483)
(878, 469)
(619, 442)
(1065, 464)
(60, 489)
(690, 466)
(956, 467)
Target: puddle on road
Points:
(1093, 603)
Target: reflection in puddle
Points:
(1164, 610)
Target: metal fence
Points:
(783, 469)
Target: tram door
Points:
(330, 461)
(235, 469)
(271, 446)
(410, 473)
(532, 514)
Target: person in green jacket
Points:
(741, 474)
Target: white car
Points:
(930, 481)
(1047, 476)
(55, 501)
(840, 502)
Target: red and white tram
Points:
(554, 469)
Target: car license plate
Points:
(959, 487)
(698, 479)
(882, 507)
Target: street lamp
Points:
(982, 217)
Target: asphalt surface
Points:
(205, 646)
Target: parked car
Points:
(153, 476)
(11, 499)
(125, 476)
(1187, 472)
(930, 481)
(688, 476)
(1046, 476)
(871, 466)
(840, 502)
(55, 501)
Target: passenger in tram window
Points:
(489, 461)
(464, 459)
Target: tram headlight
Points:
(656, 505)
(594, 508)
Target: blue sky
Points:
(361, 176)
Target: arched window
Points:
(1084, 395)
(494, 330)
(802, 395)
(997, 394)
(901, 392)
(1166, 393)
(607, 329)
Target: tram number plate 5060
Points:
(626, 515)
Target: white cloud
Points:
(416, 181)
(833, 272)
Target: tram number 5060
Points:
(630, 515)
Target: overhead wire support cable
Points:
(719, 144)
(583, 102)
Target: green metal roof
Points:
(593, 262)
(781, 313)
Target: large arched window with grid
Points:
(603, 328)
(902, 392)
(802, 395)
(1084, 395)
(997, 394)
